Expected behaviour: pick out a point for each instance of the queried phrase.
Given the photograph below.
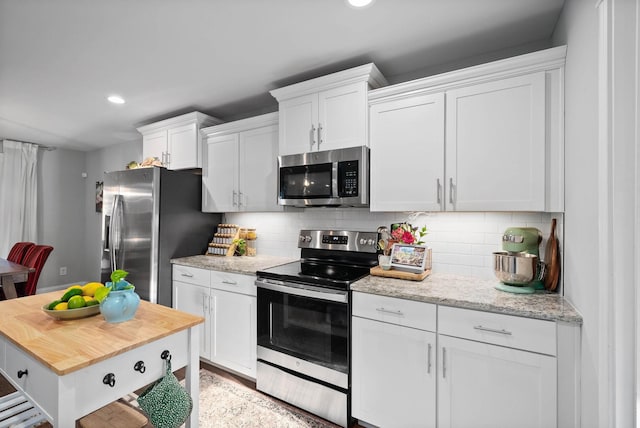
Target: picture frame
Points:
(99, 190)
(409, 258)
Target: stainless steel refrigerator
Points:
(149, 216)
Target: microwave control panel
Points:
(348, 179)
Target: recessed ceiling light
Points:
(116, 99)
(360, 3)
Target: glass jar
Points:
(251, 248)
(251, 234)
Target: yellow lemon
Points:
(76, 302)
(74, 286)
(89, 289)
(62, 306)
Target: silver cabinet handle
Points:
(312, 136)
(168, 159)
(205, 305)
(229, 282)
(439, 190)
(387, 311)
(188, 275)
(235, 199)
(492, 330)
(451, 190)
(429, 358)
(319, 135)
(444, 363)
(240, 196)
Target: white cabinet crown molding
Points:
(365, 73)
(194, 117)
(543, 60)
(241, 125)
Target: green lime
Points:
(76, 302)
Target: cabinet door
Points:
(407, 154)
(393, 375)
(194, 299)
(298, 125)
(258, 169)
(234, 332)
(220, 174)
(183, 147)
(342, 117)
(154, 145)
(495, 151)
(484, 385)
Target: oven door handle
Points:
(300, 290)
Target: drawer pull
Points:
(22, 373)
(188, 275)
(492, 330)
(229, 282)
(387, 311)
(166, 355)
(429, 358)
(139, 367)
(109, 379)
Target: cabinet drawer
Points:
(192, 275)
(38, 381)
(395, 311)
(234, 282)
(505, 330)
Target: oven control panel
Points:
(342, 240)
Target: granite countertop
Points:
(472, 293)
(244, 265)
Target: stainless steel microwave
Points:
(337, 177)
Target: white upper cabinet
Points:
(241, 169)
(176, 142)
(407, 154)
(495, 159)
(486, 138)
(328, 112)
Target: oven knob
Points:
(363, 241)
(307, 238)
(301, 238)
(370, 242)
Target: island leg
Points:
(192, 377)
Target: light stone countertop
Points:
(442, 289)
(472, 293)
(236, 264)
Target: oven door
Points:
(304, 330)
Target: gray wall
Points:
(61, 215)
(578, 28)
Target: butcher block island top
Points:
(65, 346)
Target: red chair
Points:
(35, 258)
(18, 251)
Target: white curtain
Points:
(18, 194)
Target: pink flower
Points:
(398, 234)
(407, 237)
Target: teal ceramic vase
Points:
(120, 305)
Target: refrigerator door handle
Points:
(114, 231)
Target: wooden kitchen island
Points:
(71, 368)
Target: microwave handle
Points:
(312, 136)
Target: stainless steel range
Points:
(304, 329)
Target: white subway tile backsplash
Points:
(462, 242)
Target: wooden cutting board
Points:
(393, 273)
(552, 260)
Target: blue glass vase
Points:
(120, 305)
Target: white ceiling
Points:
(59, 59)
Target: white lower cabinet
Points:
(482, 385)
(393, 362)
(486, 370)
(227, 301)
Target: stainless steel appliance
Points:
(149, 216)
(304, 328)
(326, 178)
